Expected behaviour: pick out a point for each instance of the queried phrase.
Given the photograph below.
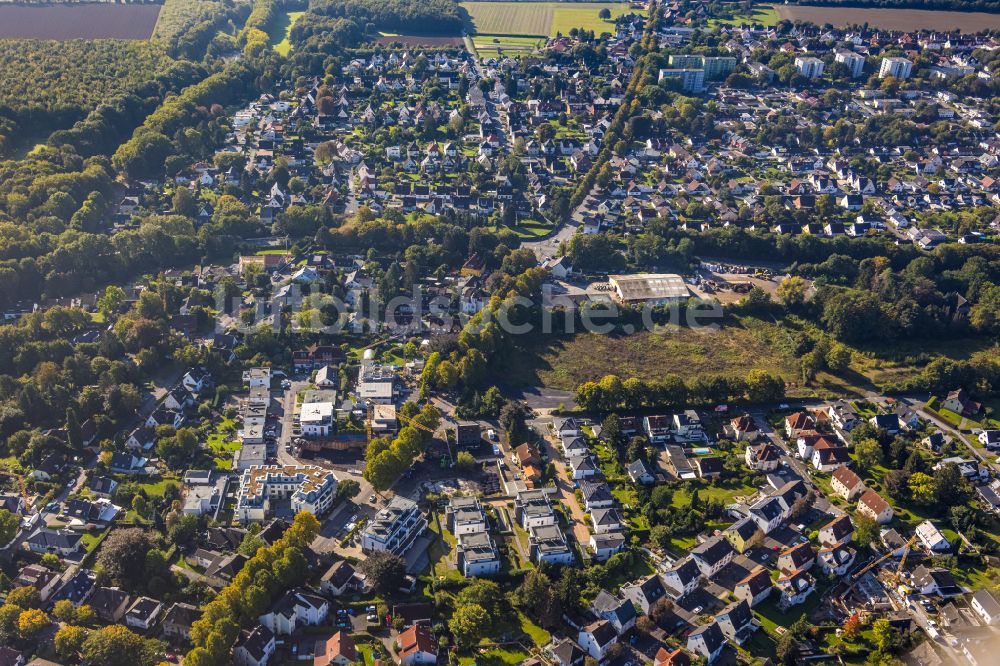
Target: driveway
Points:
(564, 491)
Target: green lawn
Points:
(526, 229)
(723, 491)
(538, 635)
(584, 16)
(765, 15)
(494, 657)
(540, 18)
(157, 488)
(280, 31)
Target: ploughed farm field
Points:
(86, 21)
(891, 19)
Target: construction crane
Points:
(856, 576)
(902, 560)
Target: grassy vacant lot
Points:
(280, 30)
(763, 14)
(566, 362)
(892, 19)
(540, 18)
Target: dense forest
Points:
(50, 84)
(406, 16)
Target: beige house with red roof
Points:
(846, 483)
(875, 507)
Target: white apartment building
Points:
(898, 68)
(394, 528)
(809, 67)
(308, 487)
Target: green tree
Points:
(69, 642)
(866, 530)
(116, 645)
(948, 486)
(30, 622)
(9, 524)
(465, 461)
(922, 488)
(792, 291)
(762, 386)
(886, 637)
(123, 556)
(469, 624)
(385, 571)
(869, 454)
(838, 358)
(24, 597)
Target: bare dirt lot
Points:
(892, 19)
(90, 21)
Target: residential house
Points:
(712, 556)
(707, 641)
(744, 534)
(619, 612)
(931, 538)
(566, 652)
(142, 613)
(794, 588)
(338, 650)
(838, 531)
(417, 646)
(109, 603)
(872, 505)
(477, 555)
(645, 593)
(958, 401)
(61, 542)
(341, 578)
(178, 619)
(640, 473)
(682, 579)
(708, 467)
(836, 560)
(846, 483)
(755, 587)
(935, 581)
(985, 606)
(799, 557)
(295, 608)
(763, 457)
(596, 638)
(255, 647)
(677, 657)
(44, 580)
(548, 544)
(744, 428)
(736, 621)
(606, 545)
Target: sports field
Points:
(542, 19)
(892, 19)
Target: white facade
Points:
(309, 488)
(394, 527)
(851, 60)
(898, 68)
(316, 419)
(811, 68)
